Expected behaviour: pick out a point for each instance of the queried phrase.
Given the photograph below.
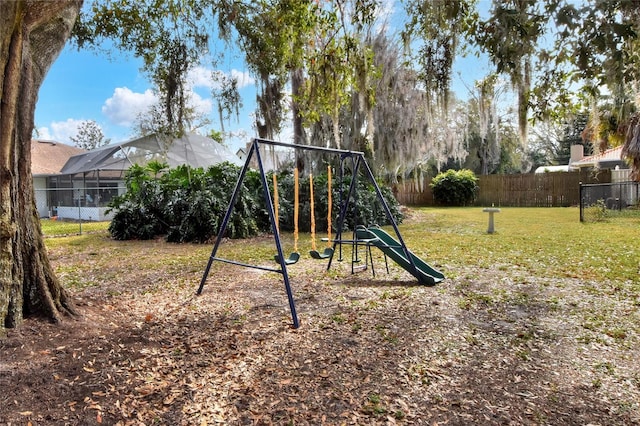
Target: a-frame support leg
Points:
(225, 223)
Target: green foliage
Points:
(436, 29)
(455, 188)
(596, 212)
(187, 205)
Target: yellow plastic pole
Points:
(313, 215)
(295, 210)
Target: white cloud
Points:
(60, 131)
(210, 79)
(243, 77)
(200, 77)
(125, 105)
(201, 105)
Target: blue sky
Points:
(85, 85)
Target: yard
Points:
(536, 324)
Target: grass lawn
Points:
(547, 242)
(536, 324)
(57, 228)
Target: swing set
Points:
(314, 253)
(328, 251)
(294, 256)
(394, 248)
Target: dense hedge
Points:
(186, 204)
(455, 188)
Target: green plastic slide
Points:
(393, 249)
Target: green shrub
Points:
(187, 205)
(596, 212)
(132, 222)
(184, 203)
(455, 188)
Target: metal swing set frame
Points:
(359, 162)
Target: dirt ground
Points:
(489, 345)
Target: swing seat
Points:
(293, 258)
(327, 253)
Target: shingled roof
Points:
(607, 159)
(48, 157)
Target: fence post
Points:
(581, 203)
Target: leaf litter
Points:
(490, 345)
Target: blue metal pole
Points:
(276, 235)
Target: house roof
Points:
(610, 157)
(48, 157)
(191, 149)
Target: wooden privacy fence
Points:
(523, 190)
(414, 193)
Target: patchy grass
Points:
(549, 242)
(56, 228)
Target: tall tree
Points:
(89, 136)
(510, 37)
(32, 34)
(433, 38)
(313, 49)
(170, 36)
(435, 34)
(489, 132)
(272, 35)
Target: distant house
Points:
(89, 180)
(610, 159)
(47, 159)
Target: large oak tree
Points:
(595, 43)
(32, 34)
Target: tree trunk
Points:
(298, 127)
(32, 34)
